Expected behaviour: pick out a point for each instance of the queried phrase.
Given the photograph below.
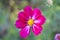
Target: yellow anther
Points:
(30, 22)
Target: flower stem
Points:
(25, 39)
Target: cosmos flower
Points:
(57, 37)
(30, 19)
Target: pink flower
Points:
(30, 19)
(57, 37)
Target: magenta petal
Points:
(22, 16)
(40, 20)
(36, 13)
(28, 10)
(19, 24)
(36, 29)
(25, 32)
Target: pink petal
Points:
(57, 36)
(20, 24)
(40, 20)
(36, 29)
(36, 13)
(25, 32)
(22, 16)
(28, 10)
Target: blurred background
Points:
(8, 15)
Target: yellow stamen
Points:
(30, 22)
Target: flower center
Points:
(30, 22)
(58, 37)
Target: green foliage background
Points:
(8, 15)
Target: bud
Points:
(50, 2)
